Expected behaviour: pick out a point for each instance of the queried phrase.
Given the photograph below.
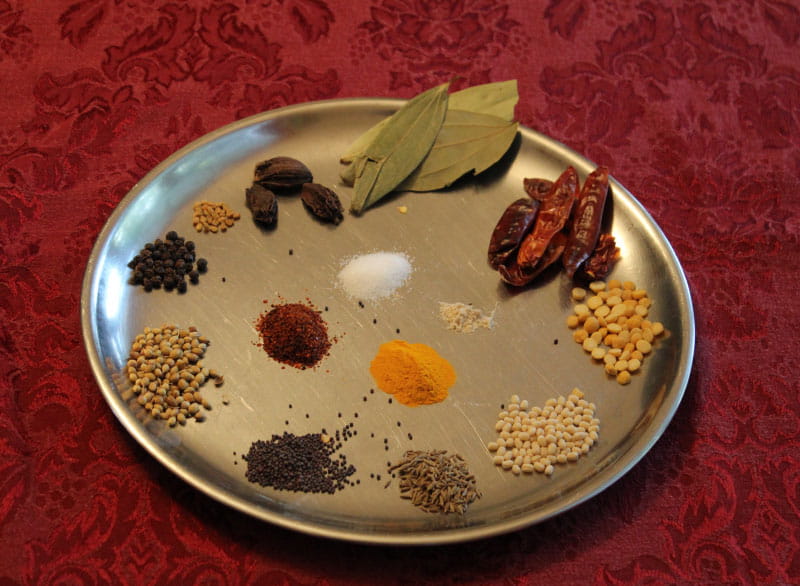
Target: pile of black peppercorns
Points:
(166, 263)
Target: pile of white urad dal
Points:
(536, 439)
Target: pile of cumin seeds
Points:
(436, 482)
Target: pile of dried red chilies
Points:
(557, 221)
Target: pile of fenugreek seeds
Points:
(209, 216)
(611, 323)
(166, 374)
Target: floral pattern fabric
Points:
(695, 106)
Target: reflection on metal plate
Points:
(445, 234)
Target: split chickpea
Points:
(610, 322)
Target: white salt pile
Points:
(376, 275)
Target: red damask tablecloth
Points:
(694, 105)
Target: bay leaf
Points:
(496, 99)
(399, 147)
(467, 142)
(360, 145)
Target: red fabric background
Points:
(694, 105)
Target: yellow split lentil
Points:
(611, 322)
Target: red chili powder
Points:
(294, 334)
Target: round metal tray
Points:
(446, 235)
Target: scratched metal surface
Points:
(446, 235)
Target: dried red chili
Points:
(537, 188)
(553, 214)
(294, 334)
(514, 224)
(598, 265)
(588, 216)
(514, 274)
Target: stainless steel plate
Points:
(446, 235)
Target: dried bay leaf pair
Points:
(432, 141)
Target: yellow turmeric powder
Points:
(413, 373)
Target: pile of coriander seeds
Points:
(166, 374)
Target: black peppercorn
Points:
(165, 263)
